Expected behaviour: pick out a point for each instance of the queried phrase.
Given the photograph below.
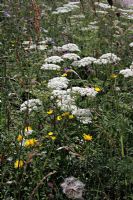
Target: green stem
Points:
(122, 146)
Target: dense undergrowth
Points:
(67, 116)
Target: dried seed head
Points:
(73, 188)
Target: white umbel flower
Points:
(61, 10)
(64, 100)
(71, 6)
(131, 66)
(31, 105)
(131, 44)
(103, 5)
(71, 56)
(41, 47)
(107, 58)
(58, 83)
(127, 72)
(66, 8)
(70, 47)
(50, 67)
(83, 91)
(84, 62)
(84, 115)
(59, 94)
(54, 59)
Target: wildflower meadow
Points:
(66, 99)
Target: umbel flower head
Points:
(73, 188)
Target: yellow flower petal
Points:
(114, 76)
(59, 118)
(65, 114)
(53, 137)
(64, 75)
(28, 128)
(18, 164)
(30, 142)
(87, 137)
(97, 89)
(50, 133)
(19, 138)
(71, 116)
(50, 112)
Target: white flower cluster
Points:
(66, 8)
(84, 115)
(102, 12)
(83, 91)
(102, 5)
(108, 58)
(57, 49)
(84, 62)
(50, 67)
(90, 28)
(29, 45)
(31, 105)
(81, 16)
(70, 47)
(65, 100)
(54, 59)
(131, 66)
(73, 188)
(131, 44)
(125, 3)
(127, 15)
(71, 56)
(58, 83)
(127, 72)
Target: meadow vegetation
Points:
(66, 100)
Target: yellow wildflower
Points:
(97, 89)
(18, 164)
(49, 112)
(64, 75)
(53, 137)
(50, 133)
(65, 114)
(30, 142)
(28, 130)
(114, 76)
(59, 118)
(19, 138)
(87, 137)
(71, 116)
